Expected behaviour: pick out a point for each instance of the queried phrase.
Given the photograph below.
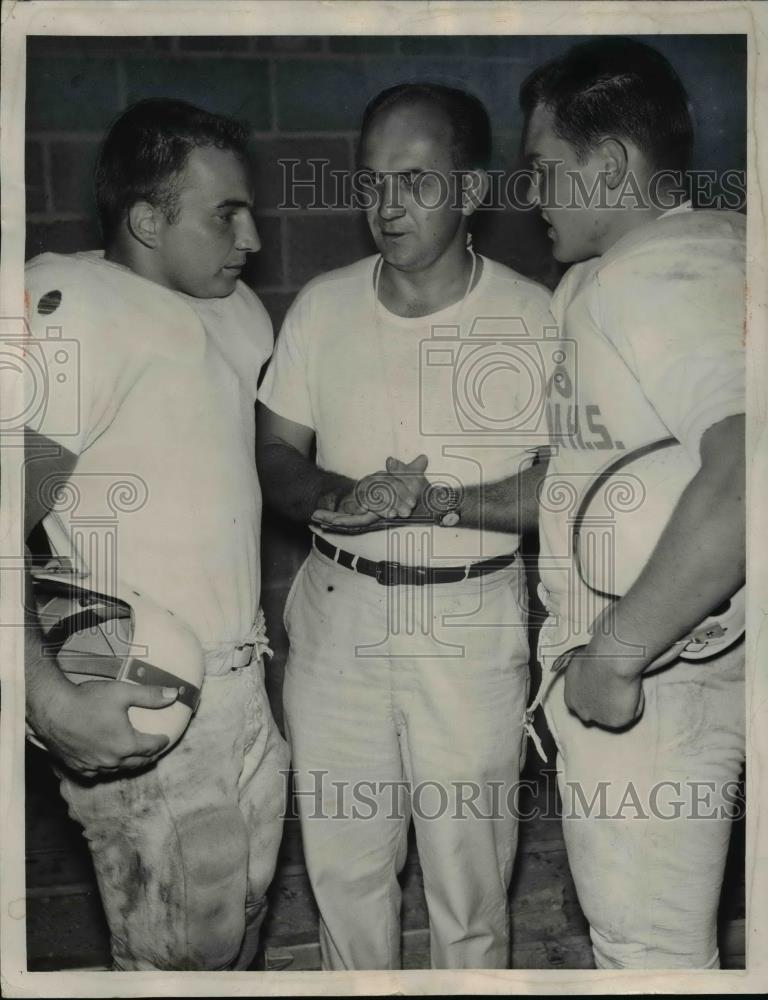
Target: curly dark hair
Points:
(145, 152)
(615, 87)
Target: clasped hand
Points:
(378, 499)
(598, 690)
(87, 726)
(603, 683)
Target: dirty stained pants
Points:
(185, 850)
(647, 812)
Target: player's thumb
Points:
(152, 696)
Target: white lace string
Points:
(257, 637)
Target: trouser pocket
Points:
(292, 594)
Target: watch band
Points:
(443, 501)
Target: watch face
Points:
(450, 519)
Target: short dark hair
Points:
(472, 137)
(145, 152)
(615, 86)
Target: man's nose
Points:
(247, 237)
(390, 199)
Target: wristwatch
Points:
(442, 502)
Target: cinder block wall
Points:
(303, 98)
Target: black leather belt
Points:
(393, 574)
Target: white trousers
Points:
(407, 702)
(647, 812)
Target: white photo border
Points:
(354, 17)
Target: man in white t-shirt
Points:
(649, 755)
(157, 441)
(407, 678)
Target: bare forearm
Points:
(294, 486)
(509, 505)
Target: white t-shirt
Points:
(463, 385)
(160, 398)
(657, 325)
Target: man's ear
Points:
(474, 187)
(144, 222)
(615, 162)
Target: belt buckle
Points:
(387, 573)
(243, 655)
